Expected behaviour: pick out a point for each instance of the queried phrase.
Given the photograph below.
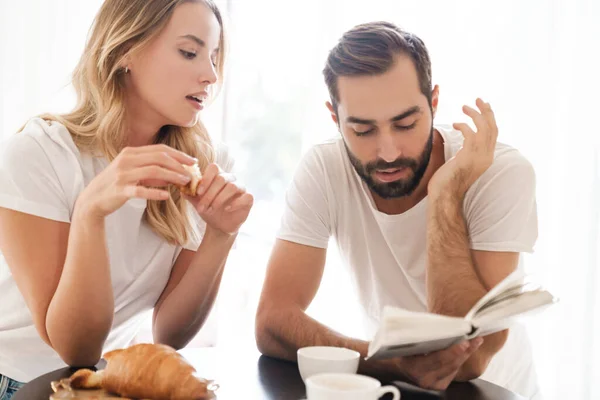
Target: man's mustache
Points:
(401, 162)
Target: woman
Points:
(94, 232)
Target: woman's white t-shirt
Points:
(42, 172)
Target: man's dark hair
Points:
(370, 49)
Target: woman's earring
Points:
(126, 70)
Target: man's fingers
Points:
(485, 122)
(458, 356)
(477, 118)
(486, 110)
(432, 370)
(450, 362)
(438, 369)
(475, 344)
(460, 352)
(453, 357)
(465, 129)
(488, 114)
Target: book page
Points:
(404, 333)
(404, 329)
(500, 314)
(411, 349)
(512, 281)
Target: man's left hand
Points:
(474, 158)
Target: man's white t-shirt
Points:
(42, 173)
(386, 254)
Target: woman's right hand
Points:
(137, 172)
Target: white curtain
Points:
(536, 61)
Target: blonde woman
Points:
(94, 232)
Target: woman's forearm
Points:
(81, 311)
(184, 310)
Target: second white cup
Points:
(322, 359)
(347, 387)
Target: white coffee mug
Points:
(347, 387)
(322, 359)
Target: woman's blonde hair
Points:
(97, 123)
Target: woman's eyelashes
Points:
(190, 55)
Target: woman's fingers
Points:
(152, 176)
(246, 200)
(141, 192)
(160, 159)
(229, 192)
(163, 148)
(209, 174)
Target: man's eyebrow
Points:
(405, 114)
(399, 117)
(356, 120)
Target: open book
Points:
(405, 333)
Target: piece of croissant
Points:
(83, 384)
(150, 371)
(86, 379)
(192, 187)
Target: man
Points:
(428, 218)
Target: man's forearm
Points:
(282, 331)
(185, 309)
(453, 285)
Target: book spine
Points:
(474, 332)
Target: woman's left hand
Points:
(221, 203)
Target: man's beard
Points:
(401, 187)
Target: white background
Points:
(536, 62)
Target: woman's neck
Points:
(142, 122)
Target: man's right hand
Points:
(437, 370)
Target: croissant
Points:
(146, 371)
(192, 187)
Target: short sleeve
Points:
(306, 219)
(500, 208)
(28, 179)
(224, 160)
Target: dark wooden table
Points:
(245, 374)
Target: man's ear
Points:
(435, 96)
(332, 111)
